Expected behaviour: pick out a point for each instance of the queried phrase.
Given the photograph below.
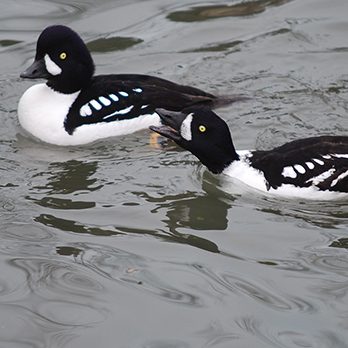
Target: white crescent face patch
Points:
(185, 129)
(51, 66)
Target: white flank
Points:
(51, 66)
(299, 168)
(185, 129)
(310, 165)
(289, 172)
(42, 111)
(321, 177)
(310, 193)
(340, 177)
(243, 172)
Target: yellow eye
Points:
(62, 56)
(202, 129)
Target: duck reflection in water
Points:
(198, 213)
(71, 176)
(194, 212)
(189, 210)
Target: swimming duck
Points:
(75, 107)
(301, 167)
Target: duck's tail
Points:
(225, 100)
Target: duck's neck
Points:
(69, 85)
(221, 161)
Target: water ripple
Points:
(38, 12)
(47, 278)
(239, 285)
(59, 297)
(35, 330)
(70, 313)
(302, 337)
(133, 270)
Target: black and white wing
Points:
(319, 161)
(112, 98)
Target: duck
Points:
(314, 167)
(75, 107)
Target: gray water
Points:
(126, 244)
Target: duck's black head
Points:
(202, 132)
(63, 59)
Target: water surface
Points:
(122, 244)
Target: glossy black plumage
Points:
(304, 152)
(155, 93)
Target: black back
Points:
(321, 158)
(143, 95)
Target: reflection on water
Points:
(112, 44)
(199, 213)
(191, 211)
(234, 45)
(72, 226)
(71, 176)
(340, 243)
(5, 43)
(68, 251)
(202, 13)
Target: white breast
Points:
(242, 171)
(41, 112)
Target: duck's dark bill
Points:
(36, 70)
(173, 119)
(167, 132)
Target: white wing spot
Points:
(321, 177)
(114, 97)
(289, 172)
(137, 90)
(340, 177)
(318, 161)
(340, 155)
(299, 168)
(144, 106)
(124, 94)
(326, 156)
(95, 104)
(119, 112)
(85, 111)
(104, 101)
(185, 129)
(310, 165)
